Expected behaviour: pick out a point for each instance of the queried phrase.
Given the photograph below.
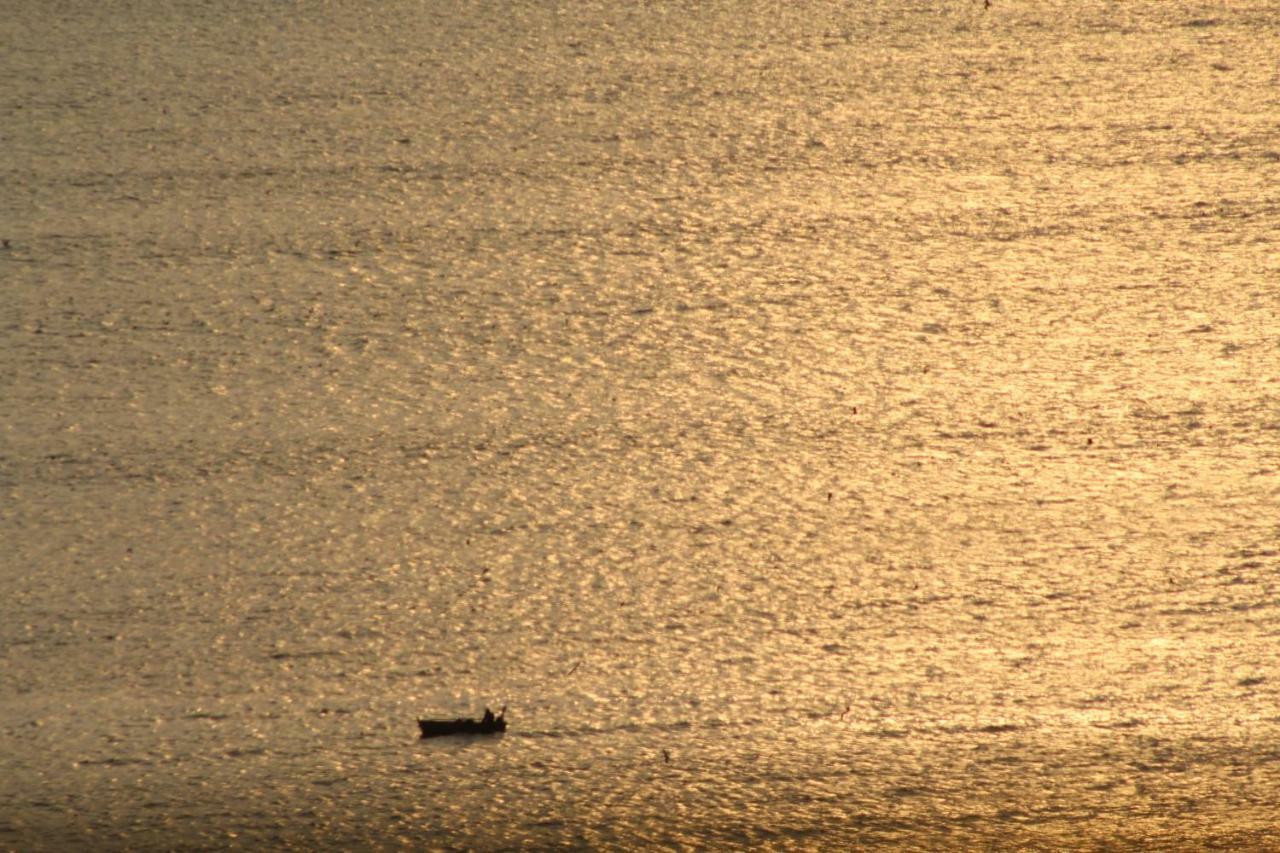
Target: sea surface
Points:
(819, 424)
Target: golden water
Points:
(820, 424)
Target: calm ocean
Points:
(822, 425)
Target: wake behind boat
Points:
(488, 724)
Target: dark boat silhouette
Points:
(487, 725)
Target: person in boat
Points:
(488, 717)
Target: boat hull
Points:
(442, 728)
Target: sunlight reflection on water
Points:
(819, 426)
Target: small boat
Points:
(487, 725)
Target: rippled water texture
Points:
(819, 423)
